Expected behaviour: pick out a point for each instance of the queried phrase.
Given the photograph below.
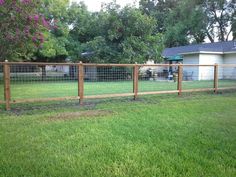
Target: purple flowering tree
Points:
(21, 27)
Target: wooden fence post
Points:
(180, 78)
(81, 82)
(7, 90)
(135, 81)
(216, 68)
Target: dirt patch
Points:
(33, 108)
(78, 115)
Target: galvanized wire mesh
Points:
(157, 78)
(43, 81)
(100, 80)
(227, 76)
(35, 81)
(1, 83)
(198, 77)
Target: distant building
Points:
(208, 53)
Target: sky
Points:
(95, 5)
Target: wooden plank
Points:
(197, 65)
(227, 65)
(135, 81)
(198, 90)
(44, 99)
(67, 64)
(216, 78)
(174, 65)
(7, 88)
(108, 64)
(39, 63)
(158, 92)
(81, 82)
(227, 88)
(180, 77)
(78, 74)
(111, 65)
(109, 95)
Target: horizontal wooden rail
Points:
(37, 63)
(198, 90)
(158, 92)
(45, 99)
(109, 95)
(208, 89)
(226, 88)
(227, 65)
(112, 65)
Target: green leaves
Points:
(113, 35)
(116, 35)
(53, 47)
(21, 25)
(182, 21)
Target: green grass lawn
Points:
(160, 135)
(29, 90)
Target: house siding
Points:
(207, 72)
(229, 72)
(191, 72)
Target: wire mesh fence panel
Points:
(43, 80)
(1, 83)
(33, 81)
(198, 77)
(99, 80)
(157, 78)
(227, 76)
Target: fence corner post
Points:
(81, 82)
(135, 81)
(7, 88)
(216, 70)
(180, 78)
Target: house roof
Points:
(217, 47)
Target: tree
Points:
(182, 22)
(158, 9)
(234, 28)
(85, 26)
(54, 47)
(220, 17)
(185, 24)
(179, 21)
(21, 28)
(117, 35)
(56, 39)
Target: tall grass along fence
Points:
(34, 82)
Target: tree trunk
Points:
(210, 37)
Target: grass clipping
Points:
(79, 115)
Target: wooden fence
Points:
(135, 77)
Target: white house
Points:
(208, 53)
